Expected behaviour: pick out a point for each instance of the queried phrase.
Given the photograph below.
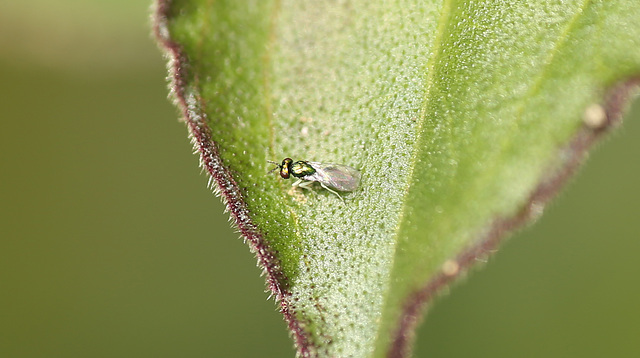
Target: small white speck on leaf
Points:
(450, 268)
(595, 116)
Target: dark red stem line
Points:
(228, 188)
(575, 152)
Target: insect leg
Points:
(333, 191)
(303, 184)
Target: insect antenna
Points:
(278, 166)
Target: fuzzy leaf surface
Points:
(455, 112)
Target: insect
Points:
(333, 177)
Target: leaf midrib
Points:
(443, 22)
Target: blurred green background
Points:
(112, 246)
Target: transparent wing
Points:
(335, 176)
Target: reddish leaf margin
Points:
(220, 176)
(575, 153)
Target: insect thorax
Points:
(301, 168)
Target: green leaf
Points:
(464, 118)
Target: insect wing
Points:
(335, 176)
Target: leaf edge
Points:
(575, 152)
(220, 178)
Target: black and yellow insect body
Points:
(333, 177)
